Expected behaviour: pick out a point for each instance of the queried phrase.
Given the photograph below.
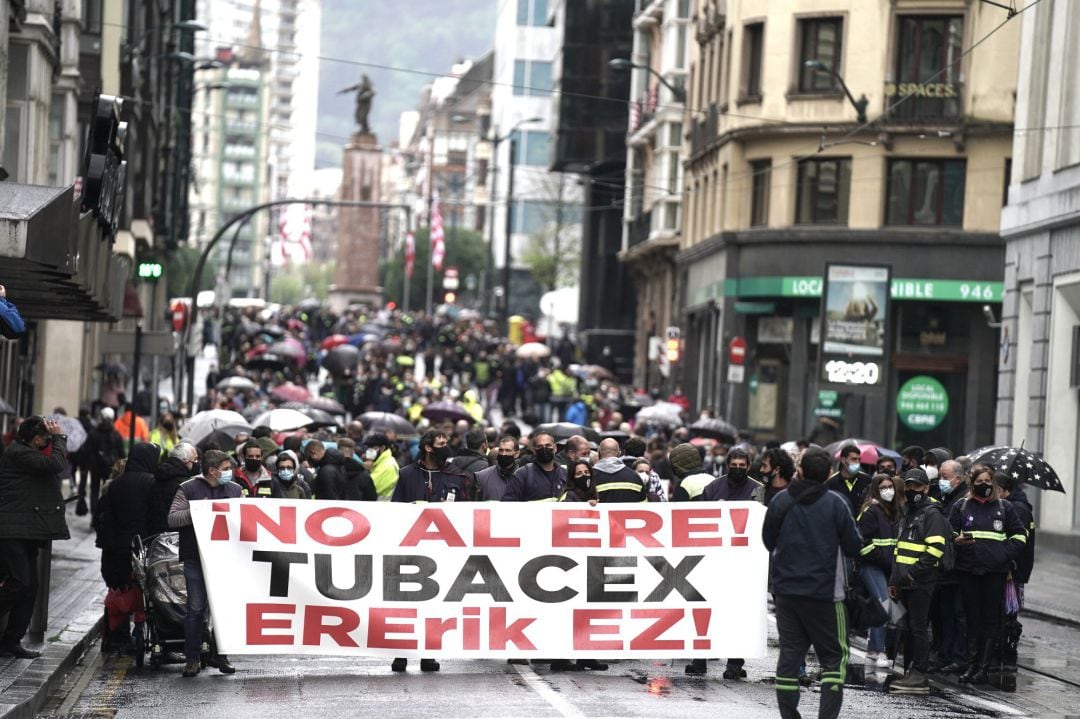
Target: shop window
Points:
(761, 171)
(820, 40)
(824, 187)
(926, 192)
(753, 51)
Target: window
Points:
(823, 190)
(91, 17)
(532, 77)
(928, 68)
(532, 147)
(759, 192)
(531, 216)
(1008, 180)
(926, 192)
(753, 47)
(820, 40)
(56, 138)
(532, 12)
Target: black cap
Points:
(916, 476)
(376, 439)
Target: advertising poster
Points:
(855, 310)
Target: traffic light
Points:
(450, 298)
(150, 271)
(673, 344)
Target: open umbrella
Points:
(1020, 464)
(72, 427)
(663, 414)
(6, 408)
(333, 341)
(594, 371)
(386, 422)
(447, 411)
(714, 428)
(834, 448)
(563, 431)
(283, 420)
(326, 404)
(204, 423)
(341, 358)
(320, 418)
(290, 349)
(271, 362)
(309, 304)
(362, 338)
(533, 350)
(241, 384)
(290, 392)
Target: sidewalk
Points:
(75, 612)
(1054, 588)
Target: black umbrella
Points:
(1020, 464)
(6, 408)
(341, 358)
(309, 305)
(447, 412)
(326, 404)
(320, 418)
(266, 361)
(563, 431)
(386, 422)
(714, 428)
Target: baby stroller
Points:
(160, 575)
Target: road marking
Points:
(548, 694)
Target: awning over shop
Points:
(55, 263)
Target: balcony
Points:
(644, 109)
(704, 131)
(924, 103)
(640, 228)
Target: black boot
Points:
(974, 657)
(986, 657)
(697, 668)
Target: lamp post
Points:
(859, 105)
(621, 63)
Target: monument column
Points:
(356, 279)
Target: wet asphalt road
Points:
(292, 687)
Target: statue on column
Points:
(364, 94)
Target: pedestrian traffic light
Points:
(150, 270)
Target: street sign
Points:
(736, 373)
(922, 403)
(450, 279)
(119, 342)
(737, 351)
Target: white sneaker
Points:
(871, 658)
(883, 662)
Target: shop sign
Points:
(922, 403)
(900, 289)
(828, 404)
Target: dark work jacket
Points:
(470, 461)
(417, 483)
(167, 479)
(31, 502)
(330, 478)
(491, 484)
(615, 482)
(359, 486)
(999, 535)
(723, 489)
(879, 537)
(274, 488)
(194, 490)
(532, 484)
(808, 530)
(121, 513)
(104, 446)
(855, 494)
(922, 529)
(1025, 563)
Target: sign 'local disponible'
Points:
(922, 403)
(464, 580)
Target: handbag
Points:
(864, 610)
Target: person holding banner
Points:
(807, 528)
(215, 482)
(541, 480)
(491, 482)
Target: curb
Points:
(45, 675)
(1049, 615)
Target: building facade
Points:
(652, 215)
(783, 176)
(1038, 404)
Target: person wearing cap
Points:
(920, 547)
(807, 529)
(380, 462)
(849, 481)
(285, 481)
(31, 513)
(689, 471)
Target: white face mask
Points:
(888, 494)
(371, 453)
(644, 476)
(931, 472)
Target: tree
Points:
(553, 255)
(466, 250)
(180, 268)
(289, 285)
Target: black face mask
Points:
(169, 425)
(441, 454)
(252, 465)
(545, 455)
(737, 475)
(506, 461)
(914, 498)
(982, 491)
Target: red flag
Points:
(438, 240)
(410, 254)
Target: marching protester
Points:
(613, 480)
(215, 482)
(736, 485)
(542, 480)
(491, 482)
(777, 471)
(878, 521)
(174, 470)
(286, 481)
(807, 528)
(381, 464)
(105, 447)
(251, 472)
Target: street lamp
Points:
(859, 105)
(507, 250)
(621, 63)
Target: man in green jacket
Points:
(31, 514)
(379, 460)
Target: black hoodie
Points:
(168, 477)
(121, 513)
(330, 478)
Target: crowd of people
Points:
(442, 409)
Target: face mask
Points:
(286, 475)
(931, 472)
(225, 477)
(888, 494)
(983, 491)
(252, 465)
(913, 497)
(371, 453)
(506, 461)
(441, 454)
(944, 485)
(545, 455)
(737, 475)
(853, 468)
(169, 425)
(644, 476)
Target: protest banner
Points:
(481, 580)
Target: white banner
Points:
(485, 580)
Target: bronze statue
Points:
(364, 93)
